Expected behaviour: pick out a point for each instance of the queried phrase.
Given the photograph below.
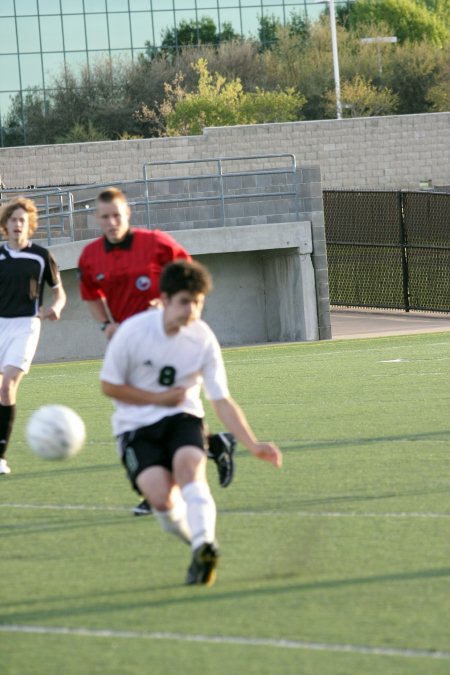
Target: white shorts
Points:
(19, 339)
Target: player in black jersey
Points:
(24, 267)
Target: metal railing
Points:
(221, 176)
(60, 208)
(54, 207)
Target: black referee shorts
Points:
(156, 444)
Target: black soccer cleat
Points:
(202, 569)
(221, 449)
(142, 509)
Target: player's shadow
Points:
(56, 471)
(191, 596)
(39, 526)
(348, 499)
(328, 444)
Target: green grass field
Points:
(337, 564)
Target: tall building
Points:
(37, 37)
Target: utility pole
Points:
(378, 41)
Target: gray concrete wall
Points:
(264, 290)
(396, 151)
(265, 206)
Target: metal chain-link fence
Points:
(388, 249)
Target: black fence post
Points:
(404, 250)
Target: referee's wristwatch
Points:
(104, 324)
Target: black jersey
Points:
(22, 276)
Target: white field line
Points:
(431, 359)
(231, 640)
(339, 514)
(319, 353)
(263, 358)
(412, 374)
(238, 513)
(287, 357)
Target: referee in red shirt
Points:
(119, 276)
(119, 272)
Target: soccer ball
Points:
(55, 432)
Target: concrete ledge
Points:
(248, 238)
(216, 240)
(264, 290)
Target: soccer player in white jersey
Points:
(119, 277)
(24, 267)
(154, 369)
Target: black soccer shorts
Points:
(156, 444)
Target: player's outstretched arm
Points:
(231, 415)
(59, 300)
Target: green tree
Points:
(411, 71)
(218, 102)
(441, 8)
(215, 103)
(343, 11)
(306, 66)
(268, 31)
(299, 26)
(439, 97)
(239, 58)
(125, 99)
(26, 122)
(261, 106)
(104, 96)
(101, 95)
(407, 19)
(192, 33)
(438, 93)
(80, 133)
(154, 119)
(360, 98)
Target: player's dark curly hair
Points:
(182, 275)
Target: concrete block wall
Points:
(264, 290)
(241, 212)
(310, 190)
(396, 151)
(385, 152)
(196, 203)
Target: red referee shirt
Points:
(127, 274)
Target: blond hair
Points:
(24, 203)
(110, 194)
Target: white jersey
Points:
(141, 354)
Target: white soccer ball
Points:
(55, 432)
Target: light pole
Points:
(334, 48)
(379, 41)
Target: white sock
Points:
(175, 521)
(201, 512)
